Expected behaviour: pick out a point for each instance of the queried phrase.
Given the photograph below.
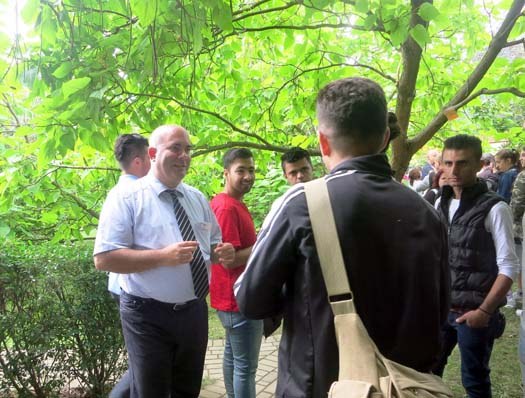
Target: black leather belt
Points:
(173, 306)
(181, 306)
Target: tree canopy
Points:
(234, 73)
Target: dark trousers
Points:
(166, 346)
(122, 389)
(475, 347)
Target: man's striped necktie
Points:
(199, 272)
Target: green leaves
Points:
(71, 87)
(232, 72)
(361, 6)
(146, 11)
(4, 230)
(222, 16)
(428, 12)
(420, 35)
(63, 70)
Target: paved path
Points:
(266, 377)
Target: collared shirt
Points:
(142, 218)
(124, 182)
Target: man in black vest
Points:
(482, 262)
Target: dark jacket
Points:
(472, 254)
(394, 247)
(505, 183)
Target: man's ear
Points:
(386, 139)
(324, 144)
(152, 152)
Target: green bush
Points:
(57, 322)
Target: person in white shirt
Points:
(482, 261)
(131, 152)
(161, 236)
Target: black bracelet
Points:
(485, 311)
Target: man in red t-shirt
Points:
(243, 336)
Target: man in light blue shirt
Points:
(164, 320)
(131, 152)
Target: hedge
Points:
(58, 324)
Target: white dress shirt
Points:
(143, 218)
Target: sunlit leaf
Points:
(420, 35)
(222, 16)
(63, 70)
(72, 86)
(428, 12)
(144, 10)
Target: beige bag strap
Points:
(326, 239)
(357, 352)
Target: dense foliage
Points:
(58, 323)
(234, 73)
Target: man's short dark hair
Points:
(464, 141)
(294, 155)
(128, 147)
(235, 153)
(354, 108)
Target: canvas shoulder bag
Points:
(363, 371)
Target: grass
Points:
(505, 375)
(215, 329)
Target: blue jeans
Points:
(241, 353)
(475, 347)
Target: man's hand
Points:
(225, 253)
(180, 252)
(474, 319)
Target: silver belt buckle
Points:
(179, 306)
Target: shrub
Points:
(57, 322)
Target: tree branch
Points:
(276, 148)
(307, 27)
(486, 91)
(498, 42)
(90, 10)
(250, 7)
(411, 58)
(266, 11)
(63, 166)
(77, 200)
(200, 110)
(10, 109)
(515, 42)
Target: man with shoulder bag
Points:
(394, 250)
